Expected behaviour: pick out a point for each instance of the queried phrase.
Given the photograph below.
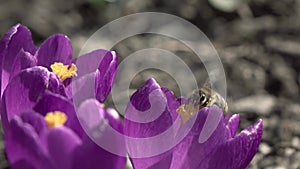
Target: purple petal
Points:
(55, 85)
(90, 62)
(21, 93)
(61, 145)
(140, 102)
(105, 78)
(110, 144)
(105, 64)
(51, 102)
(35, 120)
(92, 117)
(23, 60)
(232, 123)
(23, 144)
(114, 119)
(173, 102)
(140, 98)
(82, 88)
(163, 164)
(24, 164)
(237, 152)
(90, 155)
(212, 121)
(57, 48)
(91, 114)
(190, 152)
(17, 38)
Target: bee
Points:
(206, 97)
(203, 97)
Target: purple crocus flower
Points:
(41, 123)
(179, 144)
(18, 52)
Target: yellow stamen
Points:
(64, 71)
(56, 118)
(186, 111)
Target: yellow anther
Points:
(186, 111)
(64, 71)
(56, 118)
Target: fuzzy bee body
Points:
(206, 97)
(203, 97)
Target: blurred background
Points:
(258, 42)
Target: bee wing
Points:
(207, 83)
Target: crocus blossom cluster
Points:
(48, 112)
(41, 126)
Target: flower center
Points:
(64, 71)
(186, 111)
(56, 118)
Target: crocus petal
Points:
(51, 102)
(22, 143)
(21, 93)
(61, 144)
(90, 155)
(140, 102)
(105, 64)
(90, 62)
(163, 163)
(23, 60)
(24, 164)
(36, 120)
(107, 71)
(232, 123)
(57, 48)
(237, 152)
(140, 98)
(191, 151)
(55, 85)
(91, 116)
(14, 40)
(173, 102)
(82, 88)
(114, 119)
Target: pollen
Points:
(56, 118)
(64, 71)
(186, 111)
